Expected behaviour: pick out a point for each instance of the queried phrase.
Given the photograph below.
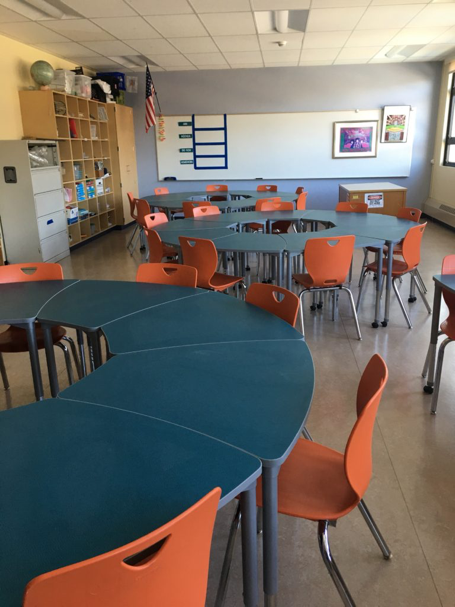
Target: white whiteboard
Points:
(278, 146)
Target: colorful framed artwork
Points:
(395, 124)
(355, 139)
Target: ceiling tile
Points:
(320, 54)
(7, 16)
(110, 48)
(178, 26)
(435, 15)
(181, 68)
(247, 66)
(194, 45)
(206, 59)
(127, 27)
(97, 63)
(415, 35)
(431, 51)
(269, 41)
(152, 68)
(229, 24)
(365, 52)
(214, 67)
(370, 38)
(100, 8)
(380, 17)
(242, 58)
(170, 60)
(160, 7)
(67, 49)
(285, 64)
(338, 3)
(281, 56)
(314, 63)
(220, 6)
(129, 61)
(325, 39)
(393, 2)
(381, 56)
(237, 43)
(349, 61)
(333, 19)
(81, 30)
(156, 46)
(447, 37)
(30, 33)
(279, 5)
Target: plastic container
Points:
(83, 86)
(65, 81)
(72, 214)
(119, 75)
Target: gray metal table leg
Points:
(94, 346)
(388, 285)
(279, 274)
(50, 357)
(380, 278)
(434, 338)
(289, 271)
(249, 547)
(270, 534)
(34, 360)
(80, 343)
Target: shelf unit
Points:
(82, 134)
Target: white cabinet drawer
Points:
(54, 246)
(45, 180)
(51, 224)
(49, 202)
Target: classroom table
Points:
(446, 282)
(248, 341)
(19, 306)
(79, 480)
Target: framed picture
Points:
(395, 124)
(356, 139)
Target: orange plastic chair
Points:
(411, 259)
(167, 274)
(216, 187)
(161, 191)
(265, 296)
(14, 339)
(278, 227)
(320, 484)
(142, 209)
(448, 329)
(301, 201)
(153, 570)
(205, 211)
(267, 188)
(327, 261)
(133, 214)
(156, 248)
(202, 255)
(352, 207)
(299, 190)
(189, 205)
(257, 227)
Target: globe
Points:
(42, 73)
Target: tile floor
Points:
(412, 492)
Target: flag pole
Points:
(156, 92)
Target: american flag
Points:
(150, 116)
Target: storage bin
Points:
(83, 86)
(64, 80)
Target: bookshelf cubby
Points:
(80, 126)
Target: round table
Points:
(174, 366)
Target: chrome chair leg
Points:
(359, 296)
(354, 311)
(69, 367)
(386, 552)
(302, 324)
(364, 265)
(132, 236)
(3, 373)
(427, 359)
(400, 301)
(224, 578)
(437, 379)
(420, 290)
(75, 355)
(306, 434)
(324, 547)
(420, 279)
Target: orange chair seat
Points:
(312, 484)
(169, 251)
(256, 226)
(304, 279)
(14, 339)
(448, 327)
(399, 267)
(281, 226)
(220, 281)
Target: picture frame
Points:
(355, 139)
(395, 123)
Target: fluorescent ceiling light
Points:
(403, 51)
(283, 22)
(39, 10)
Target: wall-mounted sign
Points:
(186, 162)
(186, 123)
(185, 136)
(181, 150)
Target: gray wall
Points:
(291, 90)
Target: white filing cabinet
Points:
(32, 205)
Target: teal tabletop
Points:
(101, 478)
(295, 243)
(253, 395)
(105, 301)
(210, 318)
(171, 236)
(446, 281)
(246, 198)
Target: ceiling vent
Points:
(403, 51)
(282, 22)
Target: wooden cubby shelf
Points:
(81, 128)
